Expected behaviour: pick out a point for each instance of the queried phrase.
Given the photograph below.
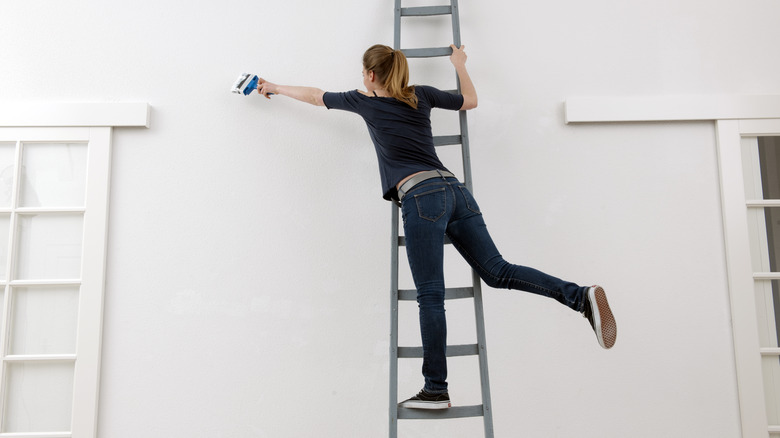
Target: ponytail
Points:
(392, 71)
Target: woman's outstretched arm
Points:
(304, 94)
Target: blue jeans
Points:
(444, 206)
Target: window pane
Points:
(769, 156)
(766, 312)
(7, 151)
(44, 320)
(53, 175)
(49, 246)
(5, 224)
(2, 304)
(772, 218)
(771, 368)
(39, 397)
(769, 162)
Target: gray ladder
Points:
(479, 349)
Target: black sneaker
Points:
(600, 316)
(425, 400)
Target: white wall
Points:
(248, 268)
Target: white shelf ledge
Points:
(671, 108)
(62, 114)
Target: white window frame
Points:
(734, 117)
(91, 123)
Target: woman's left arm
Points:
(304, 94)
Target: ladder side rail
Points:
(455, 22)
(393, 394)
(479, 313)
(487, 414)
(397, 26)
(464, 149)
(395, 241)
(462, 118)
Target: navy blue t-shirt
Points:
(402, 135)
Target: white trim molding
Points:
(744, 322)
(80, 122)
(671, 108)
(71, 114)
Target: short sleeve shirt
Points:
(401, 135)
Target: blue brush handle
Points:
(251, 86)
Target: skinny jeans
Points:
(444, 206)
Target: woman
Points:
(434, 204)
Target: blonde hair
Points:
(392, 71)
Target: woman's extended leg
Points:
(468, 233)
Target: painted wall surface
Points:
(248, 268)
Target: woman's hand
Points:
(266, 88)
(458, 57)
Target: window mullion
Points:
(9, 274)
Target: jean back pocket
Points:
(471, 203)
(431, 205)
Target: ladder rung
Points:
(432, 414)
(452, 351)
(402, 241)
(444, 140)
(449, 293)
(422, 11)
(427, 53)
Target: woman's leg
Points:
(469, 234)
(426, 210)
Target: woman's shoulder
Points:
(427, 92)
(426, 89)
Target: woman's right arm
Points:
(304, 94)
(467, 89)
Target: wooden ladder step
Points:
(426, 11)
(429, 52)
(453, 293)
(452, 351)
(435, 414)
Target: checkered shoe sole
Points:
(603, 321)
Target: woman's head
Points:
(391, 71)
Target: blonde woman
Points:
(434, 204)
